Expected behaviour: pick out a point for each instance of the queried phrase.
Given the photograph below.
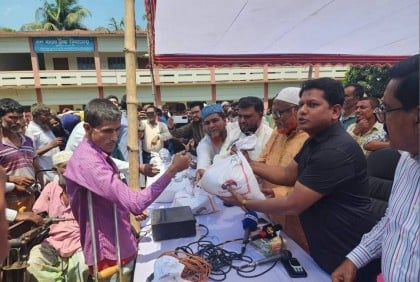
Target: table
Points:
(224, 225)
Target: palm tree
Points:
(58, 15)
(114, 25)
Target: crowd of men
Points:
(311, 167)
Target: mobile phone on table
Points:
(294, 268)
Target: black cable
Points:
(221, 260)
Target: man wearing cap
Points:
(60, 254)
(285, 142)
(226, 107)
(214, 124)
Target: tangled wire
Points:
(196, 268)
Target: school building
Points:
(68, 68)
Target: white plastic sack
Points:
(168, 269)
(178, 183)
(183, 179)
(197, 199)
(233, 172)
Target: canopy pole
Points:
(131, 92)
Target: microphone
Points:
(283, 255)
(267, 232)
(249, 224)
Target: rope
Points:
(196, 268)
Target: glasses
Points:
(278, 113)
(381, 111)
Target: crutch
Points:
(108, 272)
(93, 238)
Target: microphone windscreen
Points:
(250, 221)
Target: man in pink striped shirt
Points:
(396, 237)
(91, 170)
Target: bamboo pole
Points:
(131, 91)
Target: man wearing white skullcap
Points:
(63, 244)
(283, 145)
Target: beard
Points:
(289, 126)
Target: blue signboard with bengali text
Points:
(63, 44)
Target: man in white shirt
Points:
(45, 143)
(155, 133)
(214, 125)
(250, 121)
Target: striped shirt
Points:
(18, 160)
(397, 236)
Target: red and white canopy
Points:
(226, 32)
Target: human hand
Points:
(21, 188)
(170, 123)
(235, 199)
(361, 127)
(21, 180)
(193, 164)
(199, 174)
(29, 216)
(233, 149)
(155, 140)
(142, 216)
(190, 145)
(149, 170)
(141, 115)
(345, 272)
(180, 162)
(56, 142)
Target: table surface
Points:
(223, 226)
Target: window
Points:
(85, 63)
(116, 63)
(61, 63)
(142, 62)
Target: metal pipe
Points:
(92, 233)
(117, 239)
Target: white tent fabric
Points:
(245, 27)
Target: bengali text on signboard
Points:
(63, 44)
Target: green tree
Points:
(373, 78)
(6, 29)
(58, 15)
(115, 25)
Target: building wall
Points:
(77, 87)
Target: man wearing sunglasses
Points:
(155, 133)
(396, 237)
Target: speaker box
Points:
(173, 223)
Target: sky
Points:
(15, 13)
